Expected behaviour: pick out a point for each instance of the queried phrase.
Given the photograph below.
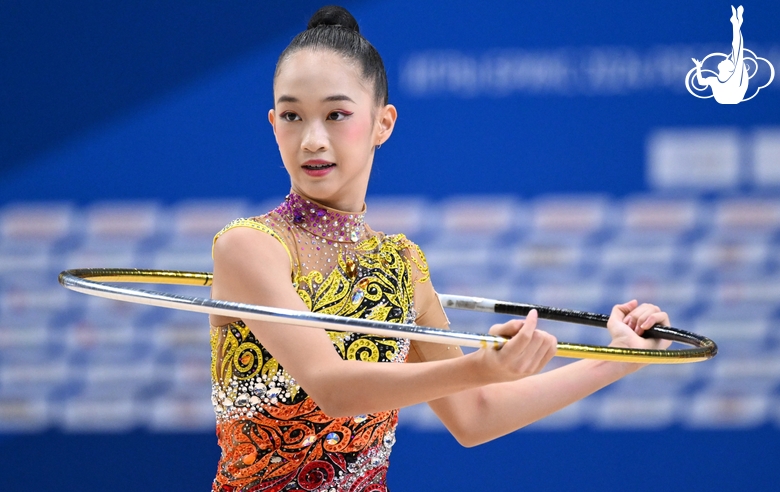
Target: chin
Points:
(317, 191)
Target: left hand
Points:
(628, 321)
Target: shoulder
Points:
(249, 238)
(255, 223)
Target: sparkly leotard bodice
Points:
(273, 436)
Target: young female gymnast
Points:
(308, 409)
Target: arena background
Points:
(544, 152)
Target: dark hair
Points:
(334, 28)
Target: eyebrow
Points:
(335, 97)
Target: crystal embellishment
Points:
(332, 438)
(322, 221)
(389, 440)
(358, 296)
(273, 392)
(260, 390)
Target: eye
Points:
(338, 115)
(290, 116)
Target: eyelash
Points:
(344, 114)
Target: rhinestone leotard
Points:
(273, 436)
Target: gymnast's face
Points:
(327, 124)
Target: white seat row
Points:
(81, 363)
(574, 215)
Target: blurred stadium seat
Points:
(79, 363)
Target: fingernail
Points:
(625, 320)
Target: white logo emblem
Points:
(729, 84)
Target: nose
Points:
(315, 137)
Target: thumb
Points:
(532, 318)
(620, 311)
(508, 329)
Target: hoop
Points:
(91, 281)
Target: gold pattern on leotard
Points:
(273, 436)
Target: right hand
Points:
(696, 62)
(526, 353)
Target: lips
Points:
(317, 167)
(317, 164)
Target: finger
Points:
(553, 348)
(643, 312)
(531, 351)
(646, 322)
(621, 311)
(646, 317)
(533, 357)
(619, 314)
(550, 347)
(523, 336)
(531, 320)
(508, 329)
(660, 318)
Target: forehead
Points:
(315, 74)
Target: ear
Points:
(385, 123)
(272, 119)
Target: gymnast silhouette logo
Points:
(730, 84)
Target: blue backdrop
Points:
(167, 101)
(161, 101)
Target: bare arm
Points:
(252, 267)
(481, 414)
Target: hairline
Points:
(355, 63)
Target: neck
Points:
(348, 204)
(321, 220)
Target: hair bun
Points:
(333, 15)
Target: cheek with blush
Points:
(356, 131)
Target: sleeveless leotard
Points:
(273, 436)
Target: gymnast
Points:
(311, 409)
(731, 84)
